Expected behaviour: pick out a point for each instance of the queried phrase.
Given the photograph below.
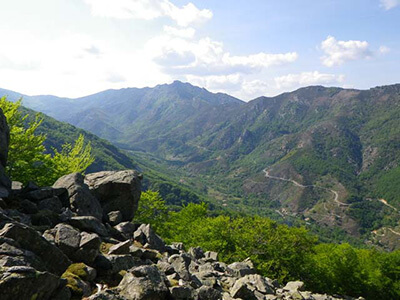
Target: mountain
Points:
(328, 156)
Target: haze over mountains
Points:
(327, 155)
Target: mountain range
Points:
(326, 156)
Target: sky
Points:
(73, 48)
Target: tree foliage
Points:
(28, 159)
(281, 252)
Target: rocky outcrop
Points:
(80, 198)
(116, 190)
(4, 141)
(50, 250)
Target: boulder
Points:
(125, 229)
(180, 263)
(89, 223)
(294, 286)
(27, 283)
(53, 259)
(208, 293)
(89, 246)
(148, 238)
(181, 292)
(240, 269)
(120, 248)
(246, 287)
(67, 238)
(116, 190)
(144, 282)
(53, 204)
(80, 198)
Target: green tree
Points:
(152, 210)
(72, 158)
(27, 157)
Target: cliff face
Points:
(4, 141)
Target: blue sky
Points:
(245, 48)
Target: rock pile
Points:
(54, 246)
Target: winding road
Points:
(335, 193)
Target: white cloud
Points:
(72, 65)
(207, 57)
(149, 10)
(215, 83)
(389, 4)
(244, 88)
(384, 49)
(187, 33)
(338, 52)
(306, 78)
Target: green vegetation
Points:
(279, 251)
(28, 160)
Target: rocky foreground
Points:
(75, 240)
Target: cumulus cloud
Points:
(244, 88)
(149, 10)
(307, 78)
(389, 4)
(65, 63)
(384, 49)
(222, 83)
(207, 57)
(187, 33)
(338, 52)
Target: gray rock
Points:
(114, 217)
(120, 248)
(240, 269)
(53, 259)
(181, 292)
(89, 223)
(208, 293)
(180, 263)
(67, 238)
(145, 235)
(117, 263)
(126, 229)
(177, 246)
(80, 198)
(196, 252)
(165, 267)
(136, 251)
(246, 286)
(19, 283)
(116, 190)
(89, 246)
(211, 256)
(53, 204)
(293, 286)
(144, 282)
(207, 278)
(18, 216)
(28, 207)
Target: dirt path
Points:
(335, 193)
(387, 204)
